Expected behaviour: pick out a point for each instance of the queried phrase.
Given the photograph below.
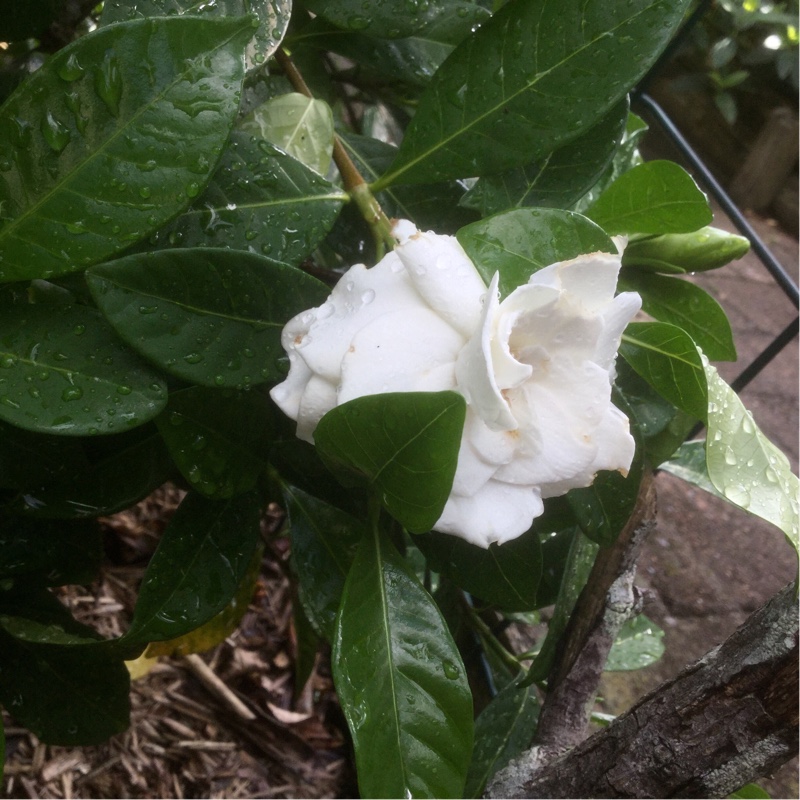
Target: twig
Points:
(210, 680)
(353, 180)
(606, 602)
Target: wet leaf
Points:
(666, 357)
(218, 440)
(212, 317)
(743, 464)
(403, 444)
(557, 179)
(503, 731)
(520, 242)
(62, 370)
(260, 200)
(401, 682)
(300, 125)
(689, 463)
(324, 540)
(639, 643)
(272, 16)
(656, 197)
(197, 568)
(506, 576)
(688, 306)
(104, 161)
(529, 80)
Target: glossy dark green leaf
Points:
(603, 508)
(48, 552)
(745, 465)
(26, 20)
(324, 540)
(104, 161)
(27, 458)
(62, 370)
(688, 306)
(432, 206)
(199, 564)
(579, 562)
(678, 253)
(503, 731)
(272, 16)
(656, 197)
(217, 439)
(520, 242)
(639, 643)
(307, 647)
(751, 791)
(118, 473)
(403, 444)
(212, 317)
(532, 78)
(260, 200)
(65, 695)
(400, 680)
(558, 179)
(555, 554)
(409, 61)
(666, 357)
(507, 575)
(661, 426)
(394, 19)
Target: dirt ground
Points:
(243, 729)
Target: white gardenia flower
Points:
(535, 370)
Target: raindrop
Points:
(79, 330)
(367, 297)
(145, 192)
(193, 189)
(357, 23)
(108, 83)
(730, 457)
(450, 670)
(123, 389)
(70, 70)
(8, 361)
(72, 393)
(193, 358)
(55, 133)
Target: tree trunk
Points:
(721, 723)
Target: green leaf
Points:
(529, 80)
(688, 306)
(666, 357)
(261, 200)
(579, 564)
(746, 466)
(506, 576)
(661, 426)
(300, 125)
(558, 179)
(656, 197)
(677, 253)
(518, 243)
(503, 731)
(689, 463)
(63, 371)
(639, 643)
(401, 682)
(65, 695)
(272, 16)
(199, 564)
(49, 553)
(404, 444)
(411, 60)
(393, 19)
(103, 162)
(324, 540)
(120, 471)
(212, 317)
(751, 791)
(603, 509)
(218, 439)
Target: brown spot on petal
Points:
(351, 349)
(298, 339)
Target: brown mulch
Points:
(228, 723)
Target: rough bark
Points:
(723, 722)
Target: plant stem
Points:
(353, 180)
(485, 632)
